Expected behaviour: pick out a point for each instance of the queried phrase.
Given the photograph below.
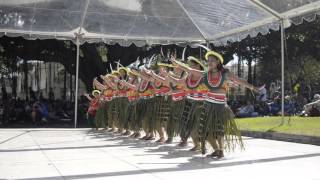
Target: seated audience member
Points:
(289, 108)
(312, 109)
(262, 96)
(44, 112)
(36, 115)
(262, 108)
(246, 111)
(275, 106)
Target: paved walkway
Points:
(81, 154)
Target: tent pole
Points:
(281, 18)
(78, 36)
(77, 83)
(282, 69)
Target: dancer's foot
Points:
(150, 138)
(169, 140)
(216, 153)
(161, 140)
(137, 135)
(195, 148)
(221, 154)
(132, 135)
(119, 131)
(183, 144)
(127, 133)
(144, 137)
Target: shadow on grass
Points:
(282, 123)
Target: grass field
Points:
(298, 125)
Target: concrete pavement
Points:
(82, 154)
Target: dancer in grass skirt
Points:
(111, 94)
(145, 105)
(216, 120)
(195, 91)
(101, 114)
(134, 122)
(93, 106)
(123, 103)
(178, 95)
(162, 99)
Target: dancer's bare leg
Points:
(146, 136)
(161, 132)
(195, 140)
(183, 142)
(215, 145)
(221, 146)
(151, 136)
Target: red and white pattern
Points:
(191, 83)
(178, 95)
(122, 93)
(219, 98)
(197, 95)
(162, 91)
(143, 85)
(214, 81)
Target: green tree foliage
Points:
(301, 56)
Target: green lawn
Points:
(298, 125)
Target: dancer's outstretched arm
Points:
(129, 85)
(242, 82)
(88, 97)
(177, 81)
(186, 68)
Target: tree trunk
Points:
(239, 67)
(71, 91)
(254, 82)
(14, 86)
(65, 84)
(249, 76)
(25, 70)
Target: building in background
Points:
(43, 76)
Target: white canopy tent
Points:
(150, 22)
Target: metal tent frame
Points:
(80, 34)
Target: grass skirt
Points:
(91, 121)
(112, 114)
(101, 115)
(145, 112)
(161, 111)
(218, 120)
(190, 116)
(132, 123)
(174, 121)
(122, 108)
